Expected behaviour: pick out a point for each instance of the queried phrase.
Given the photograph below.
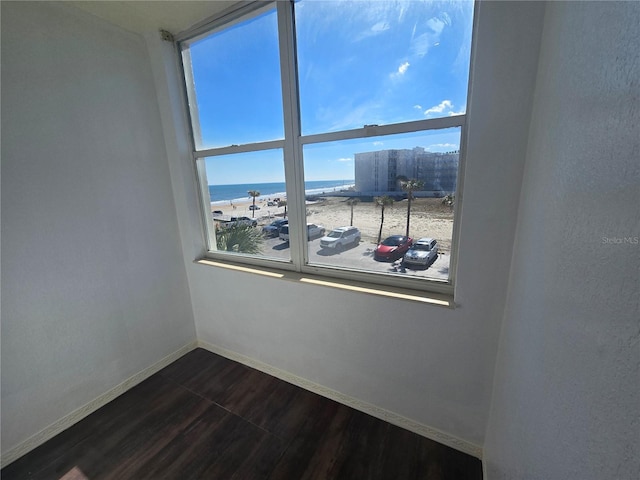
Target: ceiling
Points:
(149, 16)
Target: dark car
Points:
(254, 207)
(392, 248)
(273, 229)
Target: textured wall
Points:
(567, 391)
(93, 284)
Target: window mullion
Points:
(232, 149)
(205, 201)
(294, 174)
(391, 129)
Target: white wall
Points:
(94, 288)
(567, 390)
(430, 364)
(86, 187)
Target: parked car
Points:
(238, 221)
(313, 231)
(245, 221)
(217, 212)
(284, 233)
(340, 237)
(392, 248)
(254, 207)
(423, 252)
(273, 229)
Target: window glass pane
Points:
(382, 170)
(248, 202)
(381, 62)
(236, 84)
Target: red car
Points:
(392, 248)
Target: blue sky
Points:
(359, 62)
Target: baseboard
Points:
(74, 417)
(393, 418)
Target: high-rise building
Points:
(378, 172)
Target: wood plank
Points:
(102, 420)
(315, 450)
(205, 416)
(113, 433)
(208, 444)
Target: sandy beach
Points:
(429, 218)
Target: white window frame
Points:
(292, 147)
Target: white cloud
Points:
(402, 69)
(380, 27)
(345, 159)
(451, 114)
(377, 144)
(436, 25)
(441, 107)
(421, 43)
(376, 29)
(402, 9)
(348, 115)
(443, 146)
(418, 107)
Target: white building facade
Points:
(378, 172)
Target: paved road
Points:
(359, 257)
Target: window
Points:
(328, 135)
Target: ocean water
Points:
(220, 194)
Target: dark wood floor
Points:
(207, 417)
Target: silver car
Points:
(313, 231)
(340, 237)
(423, 252)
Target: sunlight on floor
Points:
(74, 474)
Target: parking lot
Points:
(359, 257)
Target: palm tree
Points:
(382, 202)
(449, 200)
(409, 185)
(240, 238)
(253, 194)
(351, 202)
(283, 203)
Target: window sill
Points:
(431, 298)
